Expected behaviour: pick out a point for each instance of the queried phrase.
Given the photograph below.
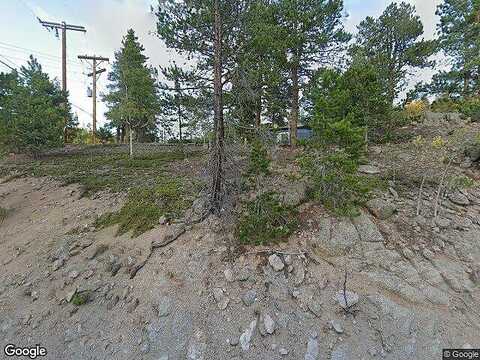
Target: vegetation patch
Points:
(266, 220)
(81, 298)
(96, 172)
(3, 214)
(145, 206)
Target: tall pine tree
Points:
(132, 100)
(393, 44)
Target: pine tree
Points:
(312, 34)
(393, 45)
(208, 32)
(132, 99)
(459, 38)
(33, 110)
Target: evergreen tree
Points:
(393, 45)
(208, 32)
(459, 38)
(32, 110)
(132, 99)
(312, 34)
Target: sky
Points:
(106, 22)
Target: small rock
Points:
(247, 335)
(163, 220)
(368, 169)
(145, 348)
(249, 297)
(352, 299)
(73, 274)
(164, 307)
(229, 275)
(380, 208)
(220, 298)
(57, 264)
(269, 324)
(442, 222)
(275, 262)
(315, 306)
(288, 260)
(70, 295)
(113, 301)
(427, 254)
(312, 349)
(133, 305)
(234, 341)
(282, 351)
(337, 326)
(459, 199)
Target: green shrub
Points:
(266, 220)
(330, 164)
(259, 160)
(80, 298)
(471, 108)
(145, 206)
(3, 214)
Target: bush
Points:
(145, 206)
(415, 110)
(471, 108)
(266, 220)
(330, 164)
(259, 160)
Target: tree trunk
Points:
(465, 84)
(258, 109)
(118, 135)
(130, 132)
(218, 150)
(295, 105)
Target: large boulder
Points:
(380, 208)
(473, 152)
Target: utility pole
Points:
(94, 74)
(64, 27)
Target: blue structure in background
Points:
(303, 133)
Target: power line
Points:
(32, 51)
(4, 63)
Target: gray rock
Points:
(164, 306)
(459, 199)
(145, 348)
(294, 195)
(197, 347)
(368, 169)
(249, 297)
(282, 351)
(352, 299)
(247, 335)
(70, 295)
(298, 273)
(163, 220)
(367, 229)
(315, 306)
(473, 152)
(133, 305)
(312, 349)
(380, 208)
(113, 301)
(269, 324)
(276, 262)
(57, 264)
(220, 298)
(337, 326)
(229, 275)
(442, 222)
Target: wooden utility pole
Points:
(64, 27)
(96, 60)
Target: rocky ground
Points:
(199, 298)
(412, 281)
